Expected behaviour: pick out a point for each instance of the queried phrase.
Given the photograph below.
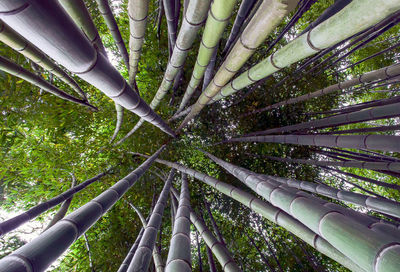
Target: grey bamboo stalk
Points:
(13, 223)
(87, 245)
(178, 115)
(372, 251)
(209, 73)
(374, 142)
(20, 44)
(271, 213)
(158, 262)
(213, 223)
(137, 11)
(268, 15)
(109, 19)
(18, 71)
(221, 253)
(355, 17)
(383, 73)
(375, 113)
(211, 263)
(79, 13)
(132, 250)
(198, 243)
(179, 258)
(195, 15)
(38, 254)
(373, 165)
(220, 11)
(63, 208)
(170, 17)
(120, 118)
(382, 205)
(173, 211)
(262, 255)
(67, 45)
(141, 259)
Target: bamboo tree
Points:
(18, 71)
(38, 254)
(63, 208)
(267, 17)
(271, 213)
(199, 253)
(179, 251)
(79, 13)
(195, 15)
(262, 255)
(141, 259)
(137, 11)
(67, 45)
(109, 19)
(372, 251)
(374, 142)
(211, 263)
(220, 11)
(158, 263)
(243, 13)
(220, 251)
(169, 8)
(213, 223)
(13, 223)
(131, 253)
(383, 73)
(20, 44)
(120, 119)
(326, 34)
(87, 245)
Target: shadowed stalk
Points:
(38, 254)
(120, 119)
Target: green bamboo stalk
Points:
(38, 254)
(80, 15)
(179, 258)
(371, 250)
(355, 17)
(20, 44)
(269, 14)
(158, 263)
(19, 71)
(220, 251)
(220, 11)
(55, 33)
(141, 259)
(125, 263)
(380, 74)
(137, 11)
(120, 118)
(195, 15)
(373, 142)
(269, 212)
(108, 16)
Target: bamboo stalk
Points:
(55, 33)
(371, 250)
(220, 251)
(20, 44)
(326, 34)
(109, 19)
(195, 15)
(267, 17)
(137, 11)
(142, 257)
(120, 119)
(125, 263)
(13, 223)
(18, 71)
(374, 142)
(38, 254)
(179, 257)
(221, 11)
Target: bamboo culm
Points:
(221, 253)
(69, 47)
(38, 254)
(269, 212)
(371, 250)
(13, 223)
(20, 44)
(125, 263)
(326, 34)
(109, 19)
(179, 257)
(18, 71)
(120, 119)
(142, 257)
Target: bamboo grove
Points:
(264, 135)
